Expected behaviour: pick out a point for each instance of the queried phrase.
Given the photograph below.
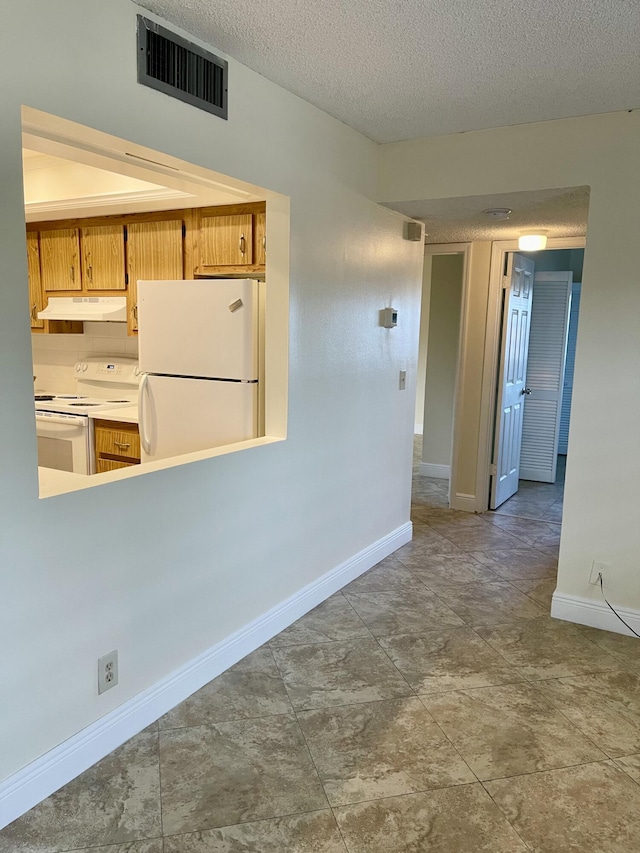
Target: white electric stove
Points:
(64, 431)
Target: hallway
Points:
(539, 501)
(431, 705)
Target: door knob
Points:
(526, 391)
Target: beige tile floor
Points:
(431, 705)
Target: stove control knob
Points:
(84, 366)
(136, 371)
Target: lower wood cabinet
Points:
(117, 445)
(103, 465)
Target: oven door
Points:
(64, 442)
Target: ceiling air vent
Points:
(181, 69)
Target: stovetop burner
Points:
(100, 385)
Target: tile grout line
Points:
(344, 598)
(569, 720)
(418, 697)
(282, 681)
(488, 793)
(615, 761)
(160, 785)
(232, 825)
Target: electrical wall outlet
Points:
(107, 671)
(597, 569)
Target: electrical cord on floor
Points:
(611, 608)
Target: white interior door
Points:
(516, 322)
(545, 374)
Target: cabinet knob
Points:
(241, 245)
(34, 311)
(121, 445)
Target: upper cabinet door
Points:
(260, 238)
(36, 296)
(103, 257)
(226, 240)
(60, 259)
(154, 253)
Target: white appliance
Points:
(63, 427)
(111, 309)
(198, 352)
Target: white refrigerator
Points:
(198, 353)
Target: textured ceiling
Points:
(561, 213)
(402, 69)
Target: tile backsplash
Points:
(55, 355)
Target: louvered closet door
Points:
(545, 375)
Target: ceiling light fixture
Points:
(532, 242)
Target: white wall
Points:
(602, 495)
(442, 360)
(421, 371)
(161, 566)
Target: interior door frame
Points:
(463, 249)
(499, 249)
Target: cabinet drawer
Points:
(122, 440)
(103, 465)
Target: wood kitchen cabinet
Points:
(260, 238)
(36, 295)
(117, 445)
(229, 240)
(225, 241)
(85, 259)
(154, 251)
(60, 259)
(108, 255)
(103, 265)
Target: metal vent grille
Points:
(181, 69)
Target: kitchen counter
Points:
(54, 482)
(127, 414)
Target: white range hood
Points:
(111, 309)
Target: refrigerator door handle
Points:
(146, 446)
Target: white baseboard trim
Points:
(596, 614)
(442, 472)
(29, 786)
(467, 503)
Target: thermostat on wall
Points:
(388, 318)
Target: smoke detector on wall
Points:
(498, 213)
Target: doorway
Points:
(529, 450)
(442, 299)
